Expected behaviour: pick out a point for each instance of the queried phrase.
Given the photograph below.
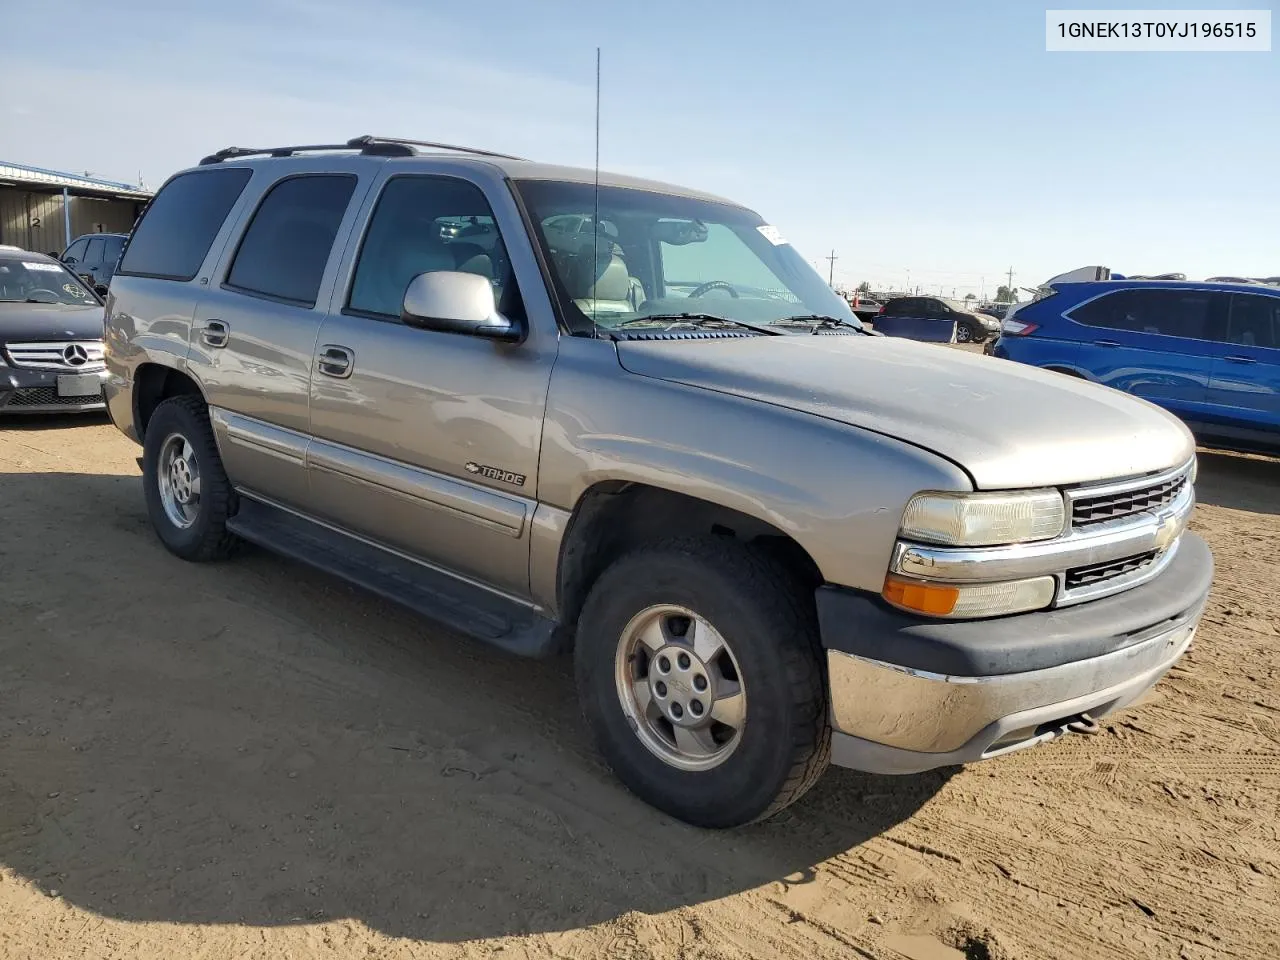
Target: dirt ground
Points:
(253, 760)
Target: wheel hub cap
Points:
(680, 687)
(178, 479)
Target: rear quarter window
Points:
(174, 235)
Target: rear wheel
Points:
(700, 675)
(189, 497)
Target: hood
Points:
(25, 322)
(1008, 424)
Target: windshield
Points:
(660, 255)
(40, 281)
(959, 305)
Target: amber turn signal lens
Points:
(936, 599)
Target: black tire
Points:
(967, 334)
(770, 623)
(207, 538)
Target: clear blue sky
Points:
(932, 137)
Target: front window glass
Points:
(424, 224)
(40, 281)
(655, 256)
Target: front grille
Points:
(79, 355)
(1097, 572)
(48, 397)
(1087, 511)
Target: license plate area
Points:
(79, 385)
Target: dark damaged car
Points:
(50, 337)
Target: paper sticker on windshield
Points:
(770, 233)
(74, 290)
(38, 265)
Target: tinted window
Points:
(415, 229)
(93, 256)
(1255, 321)
(178, 227)
(897, 308)
(1170, 313)
(76, 251)
(285, 249)
(113, 248)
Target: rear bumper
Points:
(909, 694)
(36, 391)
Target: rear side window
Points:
(285, 249)
(1169, 313)
(93, 256)
(175, 233)
(114, 246)
(1255, 321)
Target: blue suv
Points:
(1207, 352)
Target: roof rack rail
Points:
(235, 153)
(369, 143)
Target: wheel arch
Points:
(153, 383)
(614, 517)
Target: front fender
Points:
(837, 490)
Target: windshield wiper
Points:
(692, 320)
(817, 321)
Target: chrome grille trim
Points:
(1099, 504)
(51, 355)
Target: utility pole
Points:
(831, 273)
(1010, 287)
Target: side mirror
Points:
(450, 301)
(100, 289)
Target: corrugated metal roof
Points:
(21, 173)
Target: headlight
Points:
(984, 519)
(969, 600)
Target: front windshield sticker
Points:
(75, 291)
(770, 233)
(37, 265)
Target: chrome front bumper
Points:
(889, 719)
(908, 694)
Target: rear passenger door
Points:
(1154, 343)
(1246, 374)
(423, 441)
(255, 330)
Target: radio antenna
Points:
(595, 217)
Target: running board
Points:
(456, 604)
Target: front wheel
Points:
(700, 675)
(965, 333)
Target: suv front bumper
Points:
(910, 694)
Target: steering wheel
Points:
(52, 293)
(710, 285)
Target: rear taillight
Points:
(1018, 328)
(880, 311)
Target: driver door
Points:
(424, 441)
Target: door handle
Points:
(1240, 359)
(335, 361)
(1106, 343)
(215, 333)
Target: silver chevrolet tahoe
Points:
(552, 408)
